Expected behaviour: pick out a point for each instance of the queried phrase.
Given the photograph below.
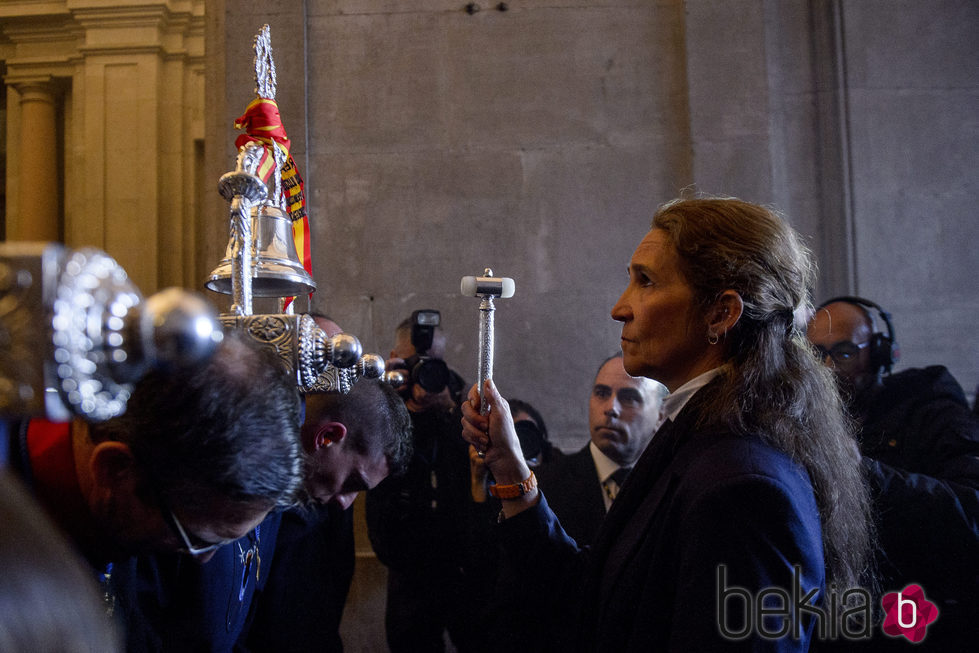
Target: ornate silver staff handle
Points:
(77, 333)
(487, 287)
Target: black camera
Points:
(431, 374)
(532, 440)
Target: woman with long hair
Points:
(748, 507)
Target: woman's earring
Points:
(712, 338)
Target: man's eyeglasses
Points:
(189, 548)
(841, 353)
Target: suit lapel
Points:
(592, 499)
(642, 493)
(645, 473)
(574, 493)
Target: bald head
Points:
(841, 331)
(623, 411)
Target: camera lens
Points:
(531, 438)
(432, 374)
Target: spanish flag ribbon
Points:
(262, 124)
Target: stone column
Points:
(37, 215)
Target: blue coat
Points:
(698, 503)
(300, 606)
(186, 606)
(574, 493)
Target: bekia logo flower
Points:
(908, 613)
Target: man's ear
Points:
(725, 312)
(113, 466)
(329, 433)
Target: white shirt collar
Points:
(675, 401)
(604, 465)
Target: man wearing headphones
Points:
(920, 447)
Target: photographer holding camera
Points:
(419, 349)
(418, 523)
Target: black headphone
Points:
(884, 350)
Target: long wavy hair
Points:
(773, 385)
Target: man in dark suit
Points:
(314, 548)
(623, 414)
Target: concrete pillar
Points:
(37, 216)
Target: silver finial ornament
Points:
(265, 84)
(79, 333)
(243, 189)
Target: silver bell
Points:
(277, 270)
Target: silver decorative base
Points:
(303, 347)
(75, 333)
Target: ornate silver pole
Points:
(486, 332)
(244, 190)
(486, 287)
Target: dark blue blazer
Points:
(300, 606)
(289, 597)
(697, 501)
(186, 606)
(574, 494)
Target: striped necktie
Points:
(613, 484)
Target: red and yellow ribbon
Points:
(262, 124)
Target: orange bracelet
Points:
(516, 490)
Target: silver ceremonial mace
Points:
(486, 287)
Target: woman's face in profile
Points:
(662, 337)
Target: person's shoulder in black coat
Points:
(301, 604)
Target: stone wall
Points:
(538, 140)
